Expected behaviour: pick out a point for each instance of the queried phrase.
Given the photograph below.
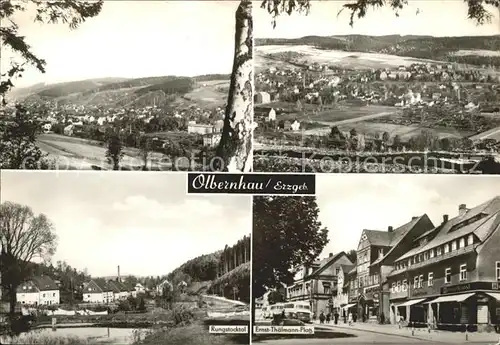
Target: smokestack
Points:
(330, 255)
(445, 218)
(462, 209)
(390, 229)
(119, 279)
(414, 217)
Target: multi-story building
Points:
(451, 276)
(341, 293)
(315, 283)
(98, 292)
(38, 291)
(375, 256)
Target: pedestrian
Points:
(349, 317)
(354, 317)
(344, 314)
(328, 317)
(336, 317)
(322, 317)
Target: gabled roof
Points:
(378, 237)
(44, 283)
(400, 233)
(323, 264)
(114, 286)
(481, 221)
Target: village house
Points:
(452, 273)
(315, 283)
(262, 97)
(162, 286)
(38, 291)
(140, 289)
(98, 292)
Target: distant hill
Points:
(425, 47)
(116, 91)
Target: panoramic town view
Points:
(121, 265)
(420, 269)
(136, 105)
(405, 96)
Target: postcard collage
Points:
(239, 172)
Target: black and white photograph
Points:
(117, 259)
(390, 259)
(126, 85)
(377, 86)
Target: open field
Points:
(209, 93)
(491, 134)
(480, 52)
(371, 128)
(337, 57)
(71, 152)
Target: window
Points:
(43, 295)
(447, 276)
(470, 240)
(398, 289)
(430, 279)
(405, 285)
(415, 282)
(446, 248)
(454, 245)
(438, 251)
(463, 272)
(421, 257)
(393, 289)
(461, 244)
(421, 281)
(498, 270)
(380, 253)
(24, 287)
(54, 294)
(431, 253)
(337, 271)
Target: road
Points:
(491, 134)
(361, 337)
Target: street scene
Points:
(120, 259)
(389, 91)
(153, 98)
(421, 265)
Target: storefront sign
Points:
(469, 287)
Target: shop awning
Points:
(453, 298)
(411, 302)
(348, 306)
(495, 295)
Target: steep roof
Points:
(400, 233)
(480, 221)
(114, 286)
(45, 283)
(324, 263)
(378, 237)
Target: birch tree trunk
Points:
(235, 148)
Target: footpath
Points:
(435, 336)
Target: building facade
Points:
(38, 291)
(98, 292)
(316, 283)
(451, 276)
(375, 256)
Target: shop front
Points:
(474, 306)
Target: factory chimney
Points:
(119, 279)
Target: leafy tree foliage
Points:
(287, 233)
(71, 12)
(24, 237)
(477, 9)
(18, 149)
(114, 153)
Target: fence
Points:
(434, 327)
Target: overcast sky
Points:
(435, 17)
(350, 203)
(134, 39)
(148, 226)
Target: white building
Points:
(97, 293)
(38, 291)
(139, 288)
(295, 125)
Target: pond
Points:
(92, 335)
